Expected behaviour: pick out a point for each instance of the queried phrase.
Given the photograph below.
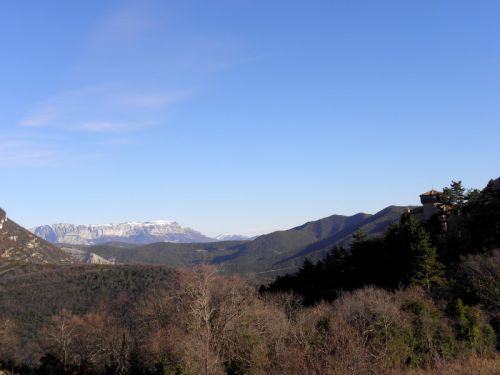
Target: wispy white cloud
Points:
(108, 115)
(38, 118)
(120, 105)
(116, 141)
(104, 109)
(50, 111)
(25, 153)
(124, 25)
(22, 150)
(108, 126)
(156, 100)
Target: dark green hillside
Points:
(30, 293)
(165, 253)
(271, 254)
(315, 241)
(463, 255)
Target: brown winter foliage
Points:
(467, 366)
(203, 323)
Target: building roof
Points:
(430, 193)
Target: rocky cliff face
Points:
(86, 257)
(130, 232)
(20, 245)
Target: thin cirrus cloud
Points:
(19, 152)
(22, 152)
(117, 106)
(126, 24)
(35, 147)
(157, 100)
(127, 102)
(103, 112)
(103, 109)
(108, 126)
(38, 118)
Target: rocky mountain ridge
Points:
(233, 237)
(86, 257)
(267, 255)
(129, 232)
(20, 245)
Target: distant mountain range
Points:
(130, 232)
(172, 245)
(266, 255)
(233, 237)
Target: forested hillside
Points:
(454, 257)
(265, 256)
(419, 299)
(411, 252)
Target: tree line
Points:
(454, 257)
(417, 299)
(209, 324)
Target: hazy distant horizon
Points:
(247, 233)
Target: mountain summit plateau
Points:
(129, 232)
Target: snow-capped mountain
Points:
(232, 237)
(130, 232)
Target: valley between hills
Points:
(265, 256)
(408, 290)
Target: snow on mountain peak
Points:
(231, 237)
(131, 232)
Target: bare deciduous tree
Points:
(59, 334)
(9, 341)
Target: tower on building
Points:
(431, 201)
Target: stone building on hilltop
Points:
(432, 204)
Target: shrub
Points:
(432, 337)
(472, 329)
(385, 330)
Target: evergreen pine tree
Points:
(454, 195)
(424, 268)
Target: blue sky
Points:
(242, 116)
